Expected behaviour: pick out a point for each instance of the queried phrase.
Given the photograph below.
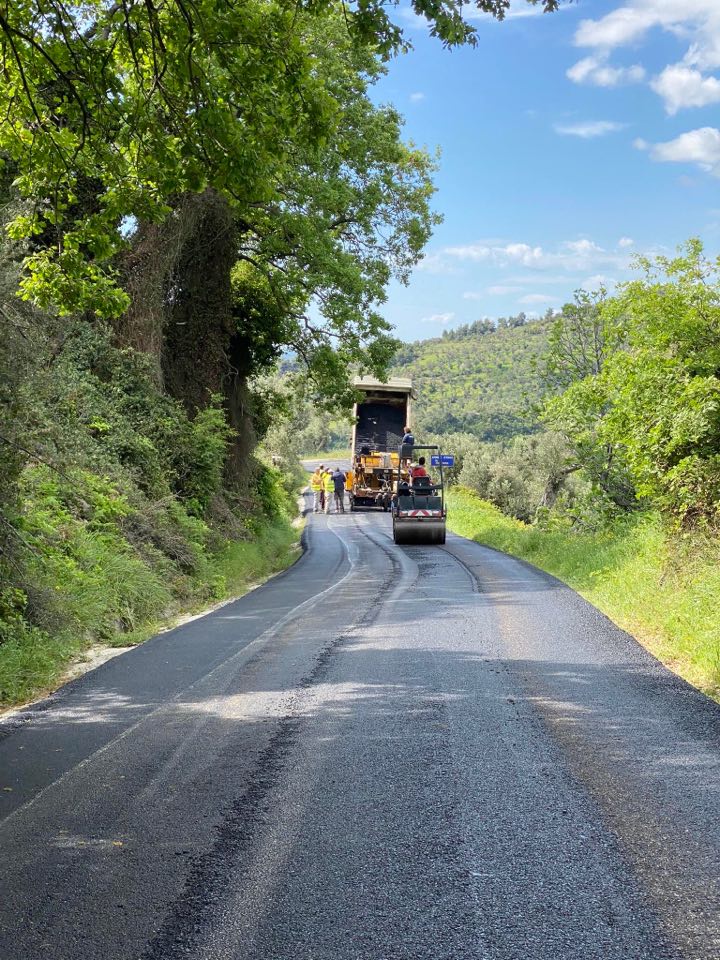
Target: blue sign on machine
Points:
(447, 460)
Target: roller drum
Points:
(419, 533)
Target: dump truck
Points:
(381, 414)
(418, 504)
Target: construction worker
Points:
(408, 440)
(339, 481)
(328, 489)
(419, 470)
(316, 486)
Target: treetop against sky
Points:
(569, 142)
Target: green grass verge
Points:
(246, 562)
(127, 599)
(661, 588)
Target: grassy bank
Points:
(114, 571)
(662, 589)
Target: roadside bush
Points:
(114, 516)
(276, 492)
(531, 477)
(199, 457)
(644, 418)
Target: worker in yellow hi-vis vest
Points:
(328, 489)
(316, 486)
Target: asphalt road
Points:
(418, 752)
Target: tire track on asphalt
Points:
(239, 832)
(672, 866)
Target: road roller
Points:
(418, 504)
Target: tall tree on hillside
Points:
(665, 384)
(582, 339)
(221, 208)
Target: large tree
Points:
(113, 108)
(583, 339)
(179, 158)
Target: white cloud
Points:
(697, 20)
(535, 278)
(522, 10)
(701, 147)
(570, 256)
(535, 298)
(477, 252)
(522, 253)
(588, 129)
(512, 252)
(500, 289)
(625, 242)
(518, 11)
(442, 318)
(417, 97)
(597, 72)
(436, 264)
(582, 247)
(681, 86)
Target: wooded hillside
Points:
(484, 383)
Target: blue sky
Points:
(569, 141)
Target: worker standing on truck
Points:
(339, 481)
(328, 488)
(408, 440)
(316, 486)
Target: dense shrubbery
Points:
(532, 478)
(118, 515)
(644, 420)
(627, 411)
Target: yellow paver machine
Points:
(381, 414)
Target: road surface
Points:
(383, 753)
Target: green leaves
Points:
(146, 102)
(113, 111)
(653, 404)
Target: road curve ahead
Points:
(421, 753)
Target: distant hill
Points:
(477, 379)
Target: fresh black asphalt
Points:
(382, 753)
